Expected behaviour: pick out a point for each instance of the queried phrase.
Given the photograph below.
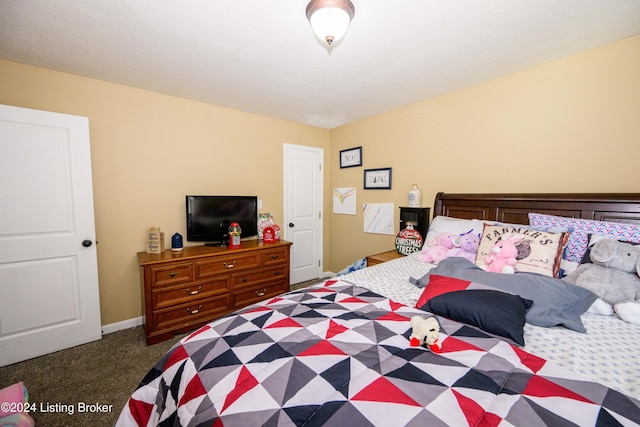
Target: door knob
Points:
(291, 224)
(87, 243)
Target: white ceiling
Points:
(260, 56)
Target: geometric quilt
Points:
(339, 355)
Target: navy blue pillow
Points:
(496, 312)
(555, 302)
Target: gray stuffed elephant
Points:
(613, 276)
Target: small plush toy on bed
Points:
(613, 276)
(425, 332)
(435, 249)
(503, 255)
(465, 246)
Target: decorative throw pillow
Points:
(555, 302)
(579, 239)
(538, 251)
(489, 309)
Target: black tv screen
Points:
(208, 217)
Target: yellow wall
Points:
(569, 126)
(572, 125)
(148, 151)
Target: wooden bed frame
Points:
(513, 208)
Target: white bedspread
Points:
(607, 353)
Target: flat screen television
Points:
(208, 217)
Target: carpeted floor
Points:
(103, 372)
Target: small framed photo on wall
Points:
(377, 179)
(351, 157)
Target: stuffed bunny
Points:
(503, 255)
(613, 276)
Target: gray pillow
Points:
(555, 302)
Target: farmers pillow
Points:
(491, 310)
(555, 302)
(579, 240)
(539, 251)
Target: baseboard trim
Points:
(327, 274)
(118, 326)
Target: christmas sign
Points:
(408, 241)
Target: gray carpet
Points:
(103, 372)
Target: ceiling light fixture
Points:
(330, 19)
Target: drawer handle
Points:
(261, 293)
(197, 291)
(274, 256)
(229, 265)
(244, 279)
(196, 311)
(275, 273)
(172, 274)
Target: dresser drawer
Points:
(226, 264)
(251, 278)
(192, 313)
(171, 274)
(169, 296)
(275, 256)
(260, 292)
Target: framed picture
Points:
(351, 157)
(377, 179)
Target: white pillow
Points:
(456, 226)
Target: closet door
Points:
(49, 297)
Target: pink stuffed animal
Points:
(503, 256)
(466, 246)
(435, 250)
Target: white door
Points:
(49, 296)
(303, 210)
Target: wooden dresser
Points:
(184, 290)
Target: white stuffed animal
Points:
(425, 332)
(613, 276)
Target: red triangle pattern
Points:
(352, 299)
(140, 411)
(176, 356)
(383, 390)
(451, 344)
(394, 317)
(531, 361)
(542, 387)
(245, 382)
(322, 348)
(335, 329)
(395, 305)
(194, 389)
(274, 300)
(287, 322)
(473, 412)
(330, 282)
(258, 309)
(198, 332)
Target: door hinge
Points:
(319, 215)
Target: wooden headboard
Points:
(513, 208)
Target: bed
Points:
(338, 353)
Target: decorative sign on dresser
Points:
(185, 290)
